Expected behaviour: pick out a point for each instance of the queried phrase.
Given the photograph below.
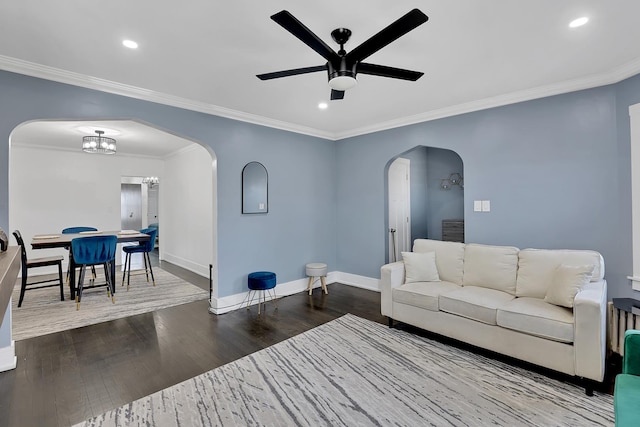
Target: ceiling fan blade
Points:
(337, 94)
(383, 71)
(391, 33)
(292, 72)
(298, 29)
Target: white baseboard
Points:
(202, 270)
(8, 359)
(236, 301)
(363, 282)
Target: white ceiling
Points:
(204, 55)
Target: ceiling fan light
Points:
(342, 82)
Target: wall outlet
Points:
(261, 206)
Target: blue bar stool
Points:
(144, 248)
(264, 282)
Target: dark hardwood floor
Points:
(67, 377)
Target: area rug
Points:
(353, 372)
(42, 312)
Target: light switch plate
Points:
(486, 206)
(477, 205)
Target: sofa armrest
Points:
(631, 358)
(391, 276)
(590, 330)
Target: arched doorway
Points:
(53, 184)
(434, 199)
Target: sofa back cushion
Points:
(536, 268)
(493, 267)
(449, 258)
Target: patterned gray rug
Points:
(43, 313)
(353, 372)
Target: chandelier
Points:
(98, 144)
(151, 181)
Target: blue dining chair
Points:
(92, 251)
(144, 248)
(76, 230)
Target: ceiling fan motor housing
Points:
(343, 69)
(343, 77)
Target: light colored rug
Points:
(353, 372)
(42, 312)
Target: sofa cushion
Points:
(568, 280)
(424, 295)
(475, 303)
(449, 257)
(533, 316)
(420, 267)
(493, 267)
(536, 268)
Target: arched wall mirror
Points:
(255, 185)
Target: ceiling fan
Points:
(342, 67)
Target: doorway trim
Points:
(399, 208)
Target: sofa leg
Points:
(589, 386)
(390, 322)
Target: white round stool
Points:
(317, 269)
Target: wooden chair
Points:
(35, 263)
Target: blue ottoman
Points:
(264, 282)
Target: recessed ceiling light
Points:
(578, 22)
(323, 105)
(130, 44)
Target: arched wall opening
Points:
(53, 184)
(435, 195)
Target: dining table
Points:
(59, 240)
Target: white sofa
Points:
(510, 301)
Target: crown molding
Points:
(68, 77)
(614, 76)
(76, 79)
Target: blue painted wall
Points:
(555, 169)
(299, 227)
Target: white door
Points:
(399, 209)
(131, 206)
